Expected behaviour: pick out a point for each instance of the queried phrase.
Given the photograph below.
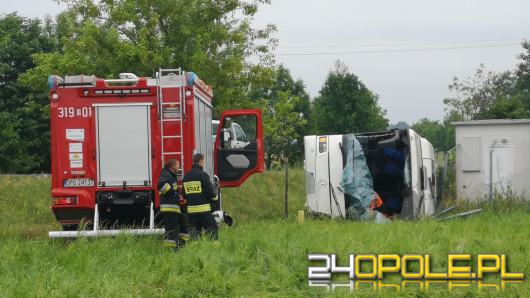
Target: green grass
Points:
(263, 196)
(262, 255)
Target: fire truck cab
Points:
(111, 138)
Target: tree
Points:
(284, 82)
(400, 125)
(486, 95)
(523, 75)
(283, 96)
(346, 105)
(507, 108)
(24, 128)
(211, 37)
(282, 123)
(440, 134)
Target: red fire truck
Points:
(111, 137)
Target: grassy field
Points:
(262, 255)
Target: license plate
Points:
(84, 182)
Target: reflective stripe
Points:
(215, 198)
(192, 187)
(184, 236)
(199, 208)
(170, 243)
(175, 187)
(169, 208)
(165, 188)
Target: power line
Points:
(396, 44)
(398, 50)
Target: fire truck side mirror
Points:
(227, 137)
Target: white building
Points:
(509, 143)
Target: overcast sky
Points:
(406, 51)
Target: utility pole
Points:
(286, 159)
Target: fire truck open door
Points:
(239, 147)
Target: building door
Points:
(502, 161)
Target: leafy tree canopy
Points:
(210, 37)
(284, 82)
(286, 107)
(440, 134)
(523, 74)
(282, 124)
(213, 38)
(486, 95)
(24, 130)
(346, 105)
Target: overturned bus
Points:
(390, 174)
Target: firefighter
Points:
(199, 193)
(174, 220)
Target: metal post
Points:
(151, 217)
(96, 218)
(491, 174)
(502, 141)
(286, 205)
(443, 181)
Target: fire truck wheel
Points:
(70, 227)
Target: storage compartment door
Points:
(336, 169)
(123, 135)
(322, 190)
(310, 152)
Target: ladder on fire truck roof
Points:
(179, 104)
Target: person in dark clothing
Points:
(174, 220)
(199, 193)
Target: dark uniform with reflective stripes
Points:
(200, 195)
(174, 221)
